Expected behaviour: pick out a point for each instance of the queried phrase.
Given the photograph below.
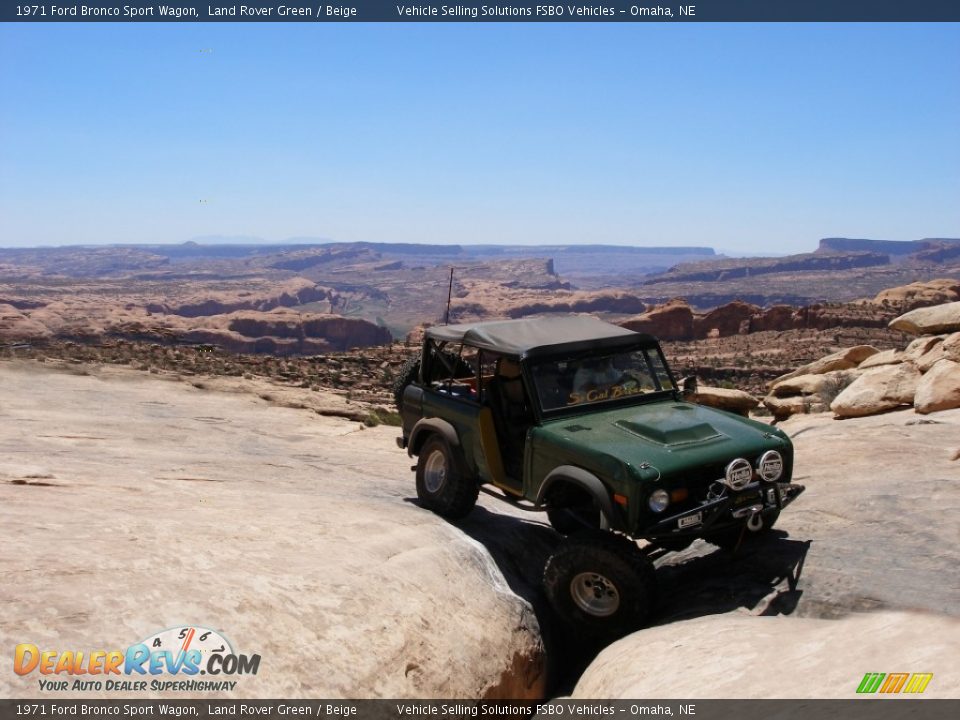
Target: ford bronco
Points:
(584, 420)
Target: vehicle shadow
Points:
(761, 576)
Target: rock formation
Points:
(878, 390)
(671, 321)
(736, 401)
(939, 389)
(860, 381)
(929, 320)
(841, 360)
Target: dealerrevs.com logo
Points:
(182, 653)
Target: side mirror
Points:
(688, 387)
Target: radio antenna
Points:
(449, 296)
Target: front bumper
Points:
(757, 498)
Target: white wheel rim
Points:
(594, 594)
(435, 471)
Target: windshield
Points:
(593, 379)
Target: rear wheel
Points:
(601, 583)
(442, 486)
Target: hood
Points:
(670, 435)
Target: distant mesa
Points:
(890, 247)
(734, 269)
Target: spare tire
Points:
(409, 372)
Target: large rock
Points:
(736, 401)
(929, 320)
(920, 347)
(878, 390)
(670, 321)
(884, 357)
(840, 360)
(808, 393)
(931, 358)
(773, 657)
(799, 385)
(939, 389)
(290, 532)
(951, 347)
(782, 408)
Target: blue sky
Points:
(754, 139)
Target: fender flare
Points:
(585, 480)
(425, 427)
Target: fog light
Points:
(738, 474)
(658, 500)
(770, 466)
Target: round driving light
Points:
(738, 474)
(659, 499)
(770, 466)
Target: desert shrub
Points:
(388, 417)
(382, 417)
(834, 385)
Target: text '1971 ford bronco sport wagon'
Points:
(584, 420)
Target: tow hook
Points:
(750, 511)
(755, 522)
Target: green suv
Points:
(584, 420)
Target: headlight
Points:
(738, 474)
(659, 499)
(770, 466)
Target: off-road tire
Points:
(600, 583)
(567, 521)
(737, 536)
(442, 485)
(409, 371)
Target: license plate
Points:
(689, 520)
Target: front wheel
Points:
(567, 521)
(442, 486)
(602, 583)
